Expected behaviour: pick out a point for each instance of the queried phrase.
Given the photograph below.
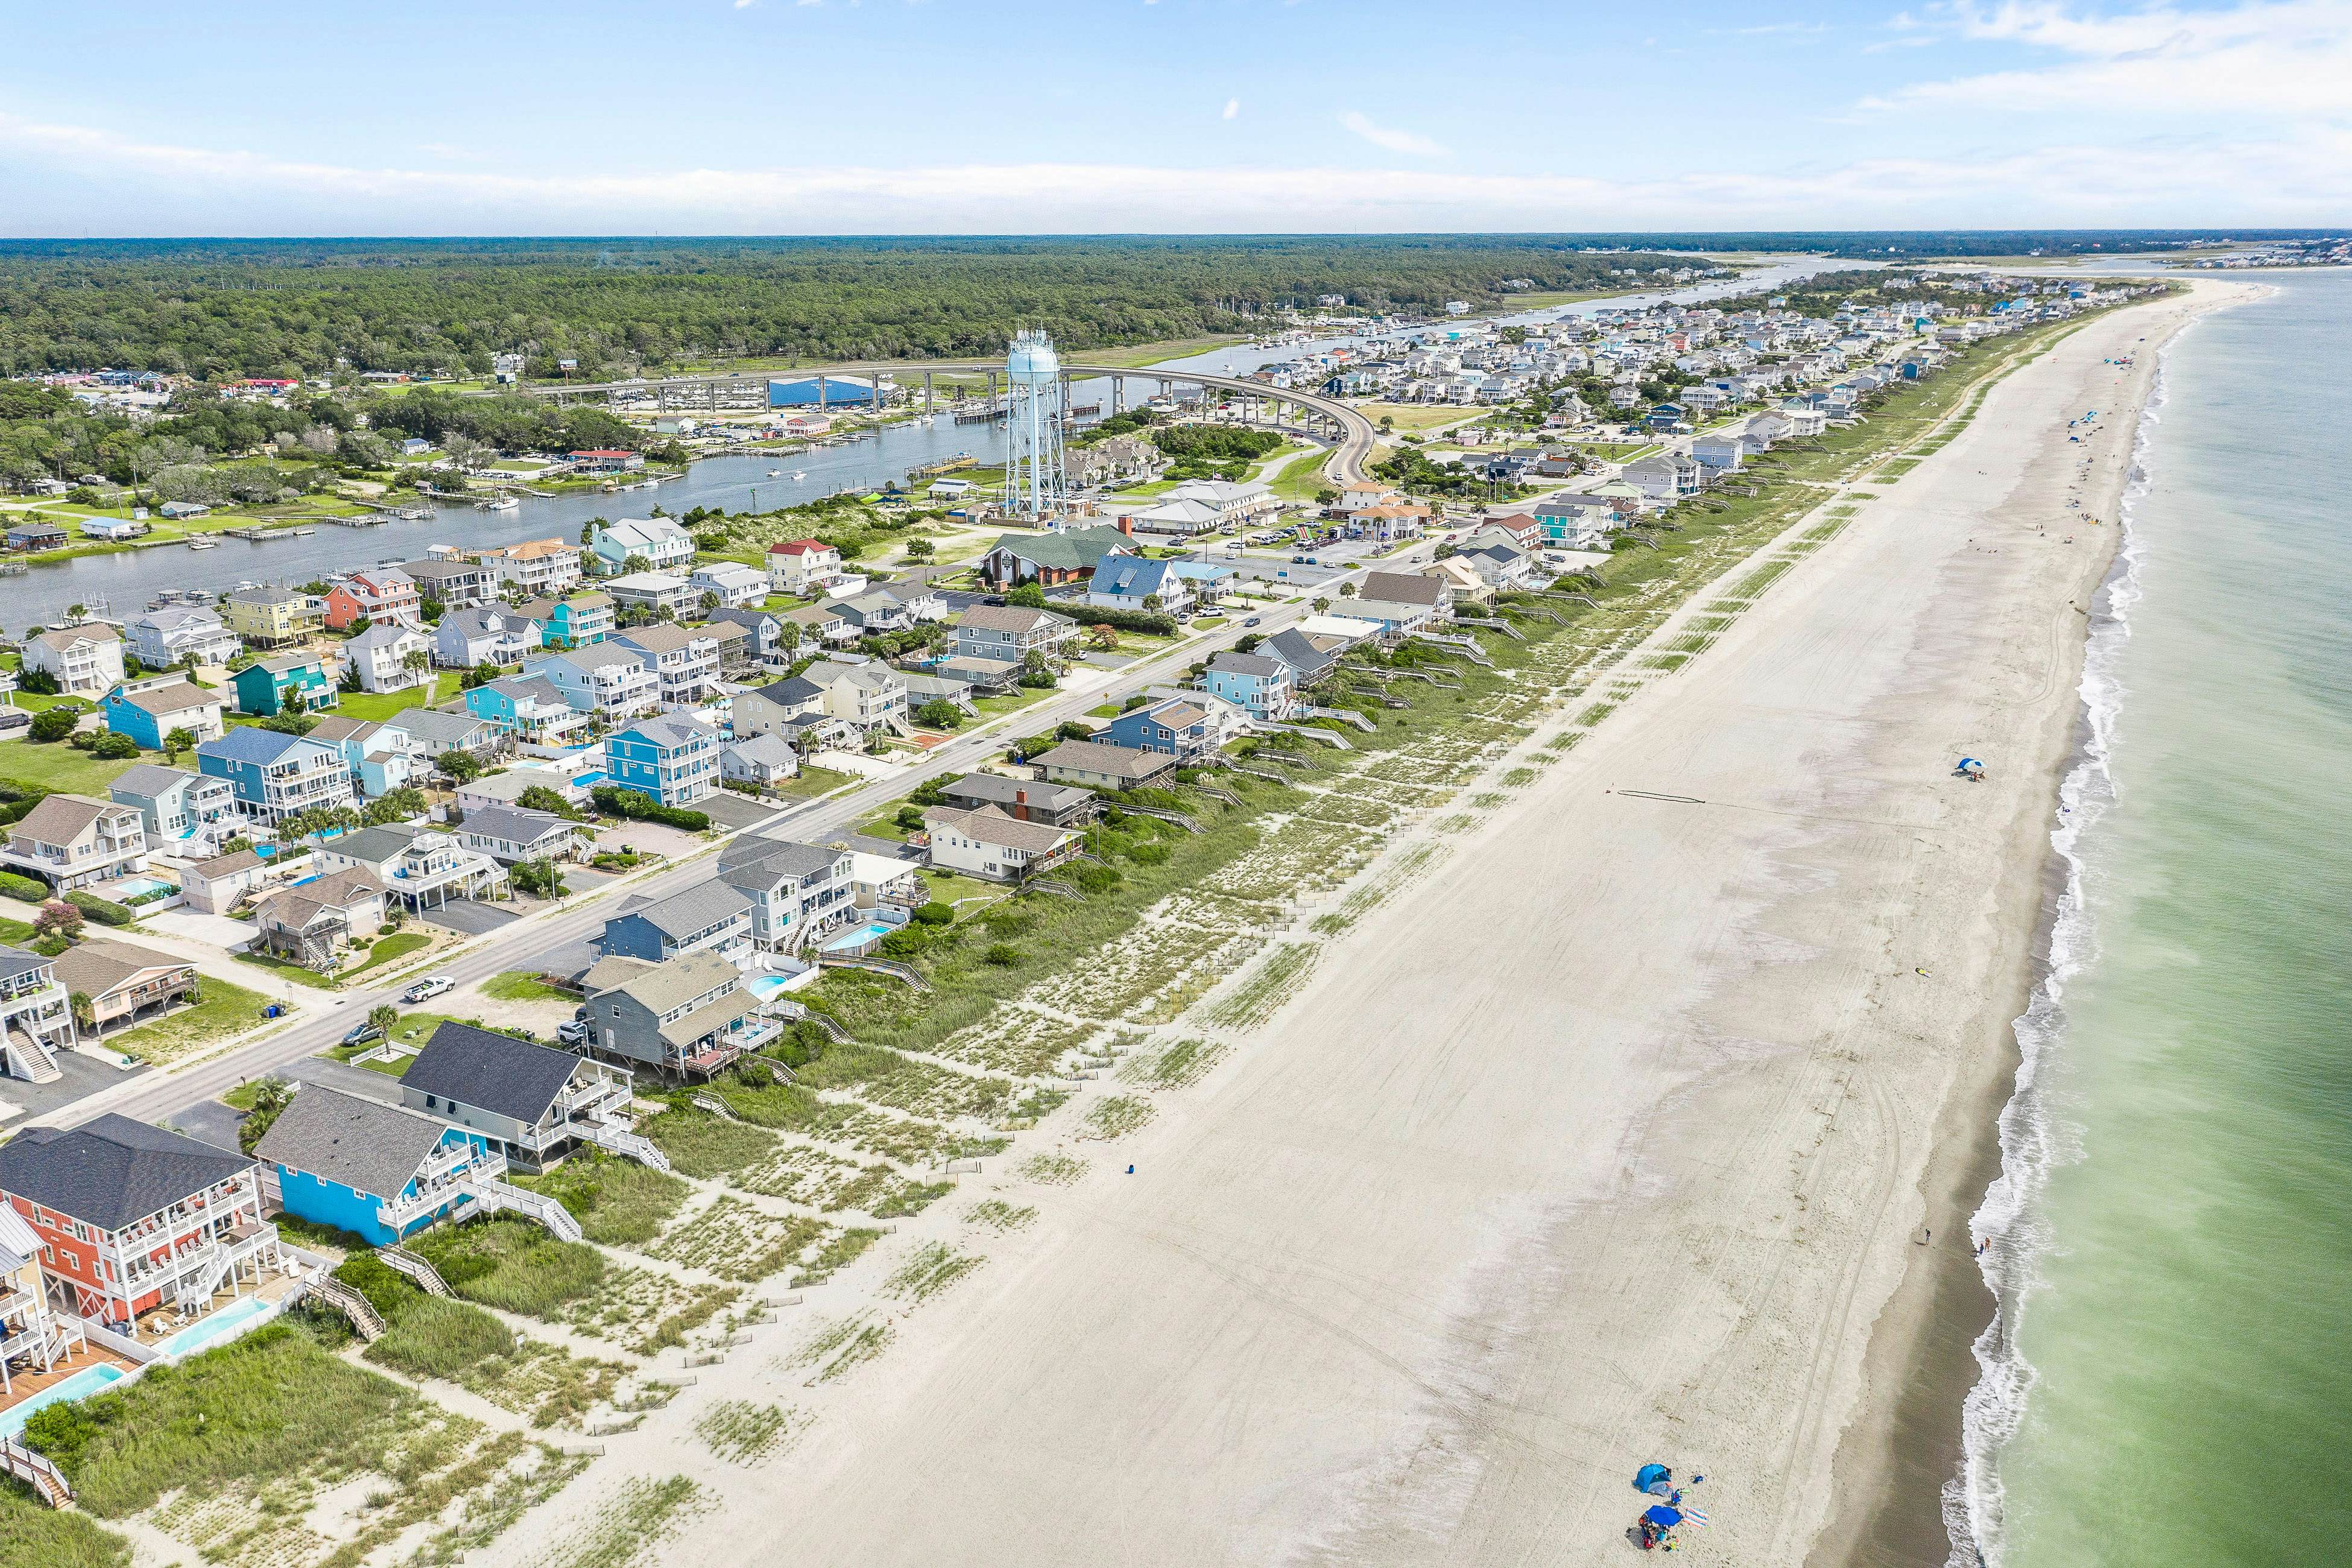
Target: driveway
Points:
(467, 916)
(79, 1075)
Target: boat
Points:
(299, 532)
(504, 504)
(204, 544)
(775, 473)
(799, 474)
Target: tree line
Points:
(223, 309)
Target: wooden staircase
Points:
(48, 1482)
(426, 1278)
(354, 1306)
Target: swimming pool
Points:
(766, 987)
(859, 939)
(131, 886)
(89, 1380)
(227, 1323)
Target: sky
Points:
(124, 118)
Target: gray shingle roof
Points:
(113, 1171)
(1248, 663)
(755, 862)
(489, 1071)
(695, 909)
(368, 1147)
(148, 781)
(513, 824)
(995, 789)
(446, 729)
(1099, 757)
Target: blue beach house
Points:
(274, 775)
(382, 1172)
(149, 709)
(675, 759)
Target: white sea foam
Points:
(2034, 1139)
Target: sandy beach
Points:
(1645, 1128)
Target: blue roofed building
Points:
(1136, 583)
(1266, 687)
(820, 392)
(273, 775)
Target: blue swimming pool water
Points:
(89, 1380)
(859, 936)
(131, 886)
(764, 987)
(224, 1324)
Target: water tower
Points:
(1033, 484)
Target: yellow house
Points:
(270, 617)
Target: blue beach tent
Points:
(1651, 1477)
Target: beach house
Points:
(1140, 584)
(125, 983)
(1266, 687)
(527, 1102)
(84, 660)
(684, 660)
(295, 680)
(468, 638)
(379, 1172)
(453, 583)
(274, 775)
(798, 891)
(529, 709)
(1010, 633)
(760, 762)
(653, 594)
(803, 566)
(72, 841)
(382, 757)
(312, 921)
(987, 844)
(166, 637)
(216, 886)
(1024, 800)
(731, 583)
(149, 709)
(573, 621)
(865, 696)
(1182, 727)
(272, 616)
(390, 655)
(675, 759)
(512, 833)
(36, 1015)
(686, 1017)
(536, 568)
(424, 868)
(710, 916)
(184, 813)
(1100, 765)
(1052, 558)
(377, 594)
(602, 680)
(132, 1218)
(659, 543)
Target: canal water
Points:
(127, 580)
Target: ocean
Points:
(2169, 1379)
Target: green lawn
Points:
(58, 766)
(815, 781)
(390, 950)
(521, 985)
(377, 706)
(1012, 701)
(285, 970)
(225, 1010)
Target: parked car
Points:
(572, 1031)
(427, 989)
(361, 1034)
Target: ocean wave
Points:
(2034, 1140)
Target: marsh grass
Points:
(617, 1202)
(511, 1265)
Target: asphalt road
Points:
(165, 1096)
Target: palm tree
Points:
(85, 1013)
(384, 1017)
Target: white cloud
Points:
(1407, 142)
(2273, 58)
(75, 179)
(1233, 109)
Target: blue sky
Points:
(997, 116)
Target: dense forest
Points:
(228, 309)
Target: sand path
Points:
(1605, 1142)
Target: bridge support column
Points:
(927, 392)
(991, 388)
(1118, 395)
(820, 393)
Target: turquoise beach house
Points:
(299, 678)
(382, 1172)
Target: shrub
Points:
(52, 724)
(113, 748)
(1001, 955)
(935, 913)
(23, 888)
(755, 1075)
(1123, 620)
(105, 911)
(638, 807)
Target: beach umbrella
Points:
(1649, 1476)
(1662, 1516)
